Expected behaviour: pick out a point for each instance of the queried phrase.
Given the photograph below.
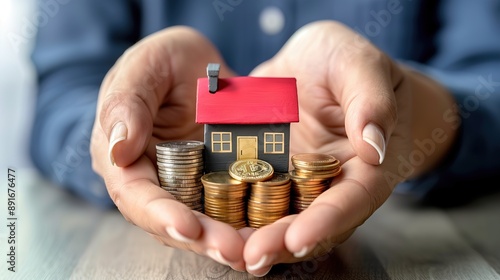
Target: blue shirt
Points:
(455, 42)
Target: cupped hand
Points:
(148, 97)
(356, 104)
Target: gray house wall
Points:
(221, 161)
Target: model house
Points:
(246, 117)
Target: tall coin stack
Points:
(225, 198)
(180, 168)
(312, 175)
(269, 200)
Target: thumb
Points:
(128, 102)
(370, 105)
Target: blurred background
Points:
(17, 82)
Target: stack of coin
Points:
(312, 175)
(269, 200)
(180, 167)
(225, 198)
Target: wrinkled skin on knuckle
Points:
(110, 102)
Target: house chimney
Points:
(213, 77)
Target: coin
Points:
(180, 146)
(180, 167)
(251, 170)
(269, 200)
(278, 179)
(312, 176)
(308, 160)
(225, 198)
(196, 157)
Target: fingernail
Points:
(302, 253)
(261, 263)
(374, 136)
(217, 256)
(263, 274)
(239, 270)
(177, 235)
(118, 134)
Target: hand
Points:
(148, 97)
(360, 106)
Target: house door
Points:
(247, 147)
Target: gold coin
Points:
(269, 217)
(271, 200)
(312, 159)
(277, 188)
(268, 199)
(304, 176)
(221, 202)
(328, 167)
(221, 197)
(226, 209)
(324, 174)
(270, 194)
(219, 178)
(278, 179)
(262, 211)
(226, 217)
(226, 212)
(251, 170)
(268, 206)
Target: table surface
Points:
(62, 237)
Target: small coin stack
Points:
(312, 175)
(269, 200)
(180, 168)
(225, 198)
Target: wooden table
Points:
(62, 237)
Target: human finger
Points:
(266, 247)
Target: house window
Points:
(221, 142)
(274, 143)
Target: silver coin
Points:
(180, 156)
(180, 146)
(180, 172)
(188, 197)
(179, 176)
(180, 166)
(195, 206)
(170, 156)
(182, 185)
(188, 192)
(180, 161)
(186, 154)
(176, 182)
(182, 188)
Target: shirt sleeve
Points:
(75, 47)
(467, 62)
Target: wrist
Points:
(432, 132)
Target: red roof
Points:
(248, 100)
